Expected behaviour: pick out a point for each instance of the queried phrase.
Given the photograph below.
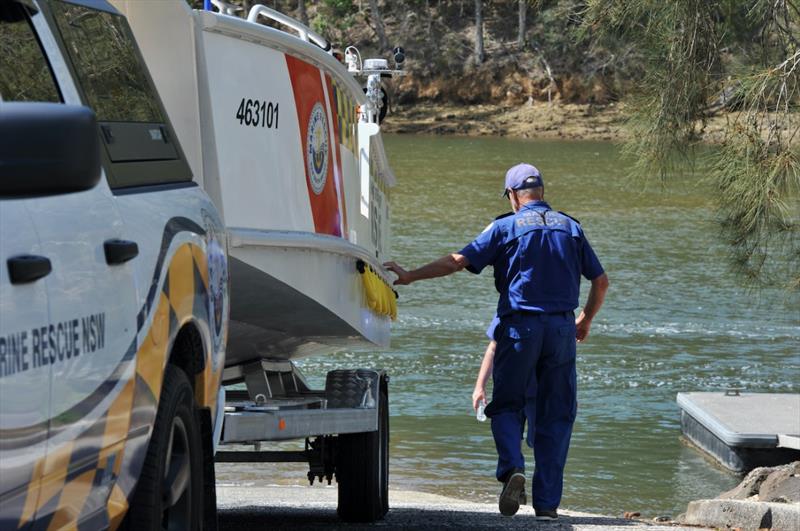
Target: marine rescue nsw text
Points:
(51, 344)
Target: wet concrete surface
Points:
(257, 508)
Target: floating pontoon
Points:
(743, 430)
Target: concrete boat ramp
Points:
(257, 508)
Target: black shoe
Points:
(512, 493)
(523, 499)
(545, 514)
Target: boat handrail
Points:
(303, 31)
(224, 7)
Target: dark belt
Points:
(522, 314)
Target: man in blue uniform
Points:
(538, 256)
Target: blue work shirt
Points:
(538, 256)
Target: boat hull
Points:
(298, 294)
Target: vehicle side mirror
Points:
(47, 149)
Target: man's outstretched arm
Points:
(597, 293)
(446, 265)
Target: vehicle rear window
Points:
(109, 70)
(25, 74)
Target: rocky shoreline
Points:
(767, 498)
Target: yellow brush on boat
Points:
(380, 296)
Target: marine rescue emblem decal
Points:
(317, 148)
(217, 265)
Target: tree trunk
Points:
(301, 11)
(523, 11)
(479, 52)
(377, 21)
(429, 29)
(552, 85)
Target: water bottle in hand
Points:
(481, 415)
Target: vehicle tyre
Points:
(169, 493)
(383, 420)
(362, 469)
(210, 522)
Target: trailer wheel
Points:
(362, 469)
(169, 493)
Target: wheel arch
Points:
(188, 351)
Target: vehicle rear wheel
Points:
(362, 469)
(169, 493)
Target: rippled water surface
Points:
(675, 320)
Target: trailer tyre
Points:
(362, 469)
(169, 493)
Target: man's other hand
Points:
(582, 325)
(478, 396)
(403, 277)
(597, 294)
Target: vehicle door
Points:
(25, 75)
(91, 330)
(24, 384)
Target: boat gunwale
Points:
(283, 41)
(248, 237)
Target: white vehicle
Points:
(286, 144)
(113, 285)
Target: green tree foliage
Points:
(332, 18)
(698, 56)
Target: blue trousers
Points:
(534, 379)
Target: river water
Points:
(675, 319)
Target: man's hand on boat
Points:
(403, 276)
(446, 265)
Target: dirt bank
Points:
(569, 121)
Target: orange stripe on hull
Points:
(312, 117)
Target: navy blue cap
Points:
(522, 176)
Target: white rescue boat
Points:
(285, 141)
